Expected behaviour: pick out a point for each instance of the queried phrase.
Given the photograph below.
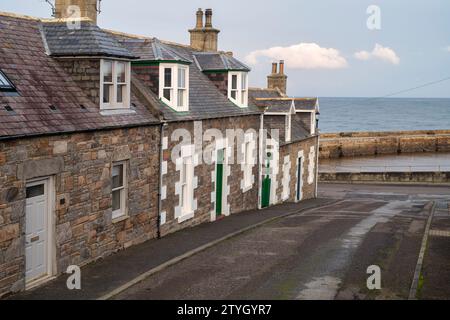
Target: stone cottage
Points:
(108, 140)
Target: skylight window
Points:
(5, 84)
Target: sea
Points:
(383, 114)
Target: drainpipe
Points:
(161, 136)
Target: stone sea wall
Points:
(354, 144)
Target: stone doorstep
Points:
(440, 233)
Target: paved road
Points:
(318, 254)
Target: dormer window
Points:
(238, 88)
(115, 84)
(5, 84)
(174, 85)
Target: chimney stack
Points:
(277, 80)
(204, 38)
(87, 9)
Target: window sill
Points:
(120, 219)
(247, 188)
(185, 217)
(113, 112)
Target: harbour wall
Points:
(355, 144)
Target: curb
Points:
(204, 247)
(418, 271)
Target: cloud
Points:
(302, 56)
(379, 52)
(448, 48)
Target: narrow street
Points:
(320, 253)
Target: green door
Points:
(265, 199)
(219, 181)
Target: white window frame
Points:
(248, 158)
(114, 105)
(123, 211)
(175, 88)
(286, 174)
(241, 91)
(288, 135)
(186, 187)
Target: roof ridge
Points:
(17, 15)
(287, 98)
(59, 20)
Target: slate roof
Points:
(41, 83)
(219, 61)
(275, 104)
(256, 93)
(285, 104)
(298, 131)
(205, 99)
(275, 101)
(89, 40)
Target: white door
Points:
(36, 241)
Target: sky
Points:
(332, 48)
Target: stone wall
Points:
(238, 200)
(80, 165)
(353, 144)
(149, 74)
(292, 150)
(276, 122)
(86, 73)
(220, 79)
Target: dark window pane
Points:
(168, 94)
(234, 94)
(234, 82)
(120, 93)
(117, 179)
(116, 200)
(168, 77)
(35, 191)
(107, 93)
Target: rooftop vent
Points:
(52, 107)
(8, 108)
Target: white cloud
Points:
(302, 56)
(379, 52)
(448, 48)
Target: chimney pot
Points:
(208, 15)
(281, 66)
(274, 68)
(199, 19)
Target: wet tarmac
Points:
(321, 253)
